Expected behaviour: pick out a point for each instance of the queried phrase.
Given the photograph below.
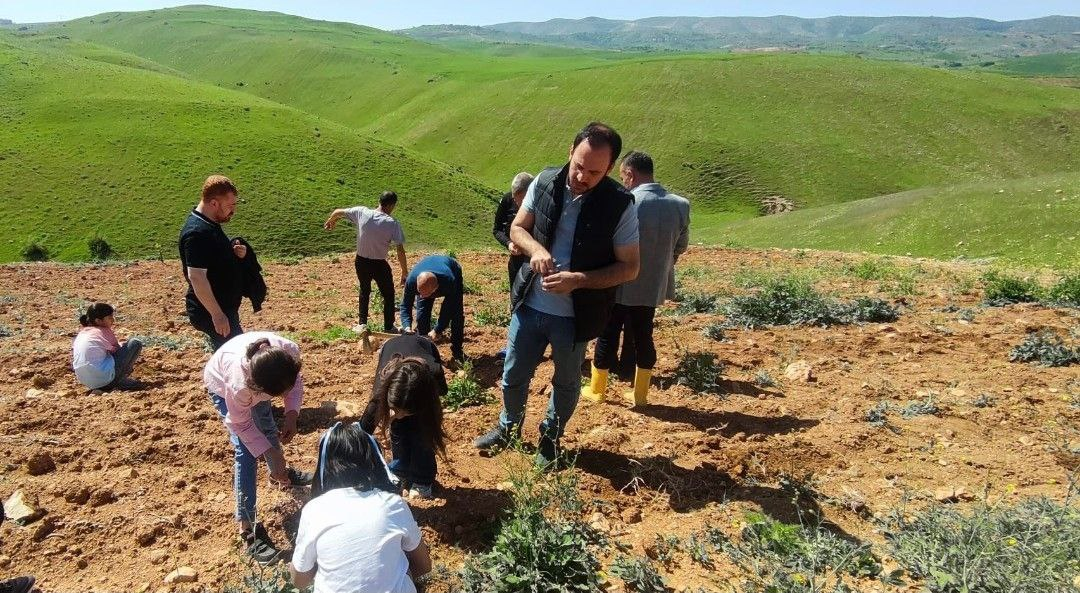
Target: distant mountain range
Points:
(932, 37)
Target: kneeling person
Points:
(433, 277)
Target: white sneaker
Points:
(360, 328)
(421, 491)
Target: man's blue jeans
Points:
(245, 465)
(530, 333)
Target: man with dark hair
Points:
(664, 224)
(504, 217)
(433, 277)
(375, 231)
(579, 229)
(211, 263)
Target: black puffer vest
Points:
(594, 244)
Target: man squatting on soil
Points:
(580, 231)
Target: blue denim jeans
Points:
(414, 461)
(530, 333)
(245, 465)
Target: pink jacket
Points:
(226, 375)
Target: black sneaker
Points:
(260, 548)
(494, 440)
(298, 478)
(547, 454)
(17, 585)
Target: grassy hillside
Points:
(1030, 221)
(96, 141)
(725, 130)
(1063, 65)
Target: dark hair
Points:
(349, 458)
(410, 384)
(95, 312)
(638, 161)
(388, 198)
(273, 369)
(600, 135)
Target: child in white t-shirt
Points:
(99, 360)
(356, 534)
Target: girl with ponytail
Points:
(99, 360)
(243, 377)
(356, 533)
(409, 385)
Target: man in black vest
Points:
(580, 234)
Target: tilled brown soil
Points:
(141, 482)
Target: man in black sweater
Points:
(504, 216)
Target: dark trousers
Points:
(512, 266)
(379, 271)
(206, 326)
(640, 329)
(414, 461)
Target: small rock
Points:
(143, 588)
(82, 563)
(41, 381)
(1026, 441)
(799, 370)
(158, 556)
(952, 494)
(599, 522)
(79, 495)
(149, 536)
(5, 561)
(22, 510)
(40, 464)
(127, 473)
(101, 497)
(43, 530)
(631, 515)
(34, 393)
(184, 574)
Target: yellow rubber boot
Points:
(639, 396)
(594, 391)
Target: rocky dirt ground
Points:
(134, 485)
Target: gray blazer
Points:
(664, 232)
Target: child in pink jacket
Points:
(98, 359)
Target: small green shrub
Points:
(803, 558)
(878, 416)
(923, 407)
(35, 251)
(1027, 547)
(491, 315)
(695, 302)
(638, 575)
(5, 332)
(100, 250)
(715, 331)
(463, 391)
(1045, 348)
(791, 301)
(542, 545)
(762, 378)
(699, 371)
(1065, 292)
(335, 333)
(1003, 289)
(263, 579)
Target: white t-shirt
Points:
(358, 540)
(375, 231)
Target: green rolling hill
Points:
(95, 141)
(726, 130)
(1029, 221)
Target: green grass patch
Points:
(464, 391)
(1045, 348)
(791, 301)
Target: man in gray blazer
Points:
(664, 227)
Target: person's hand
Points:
(541, 262)
(279, 472)
(240, 250)
(435, 336)
(330, 223)
(514, 249)
(561, 282)
(408, 330)
(288, 431)
(221, 324)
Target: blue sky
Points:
(396, 15)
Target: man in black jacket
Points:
(580, 233)
(504, 216)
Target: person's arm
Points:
(334, 217)
(302, 580)
(684, 234)
(419, 561)
(402, 263)
(521, 234)
(500, 229)
(200, 284)
(625, 269)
